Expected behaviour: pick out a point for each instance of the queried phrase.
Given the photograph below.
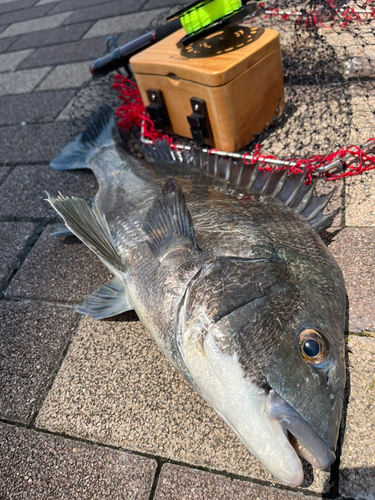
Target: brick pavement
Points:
(92, 409)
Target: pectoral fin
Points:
(91, 227)
(109, 300)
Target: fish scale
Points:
(229, 282)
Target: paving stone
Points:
(35, 107)
(96, 12)
(33, 143)
(357, 466)
(3, 2)
(90, 98)
(197, 485)
(66, 5)
(42, 23)
(21, 82)
(42, 2)
(24, 15)
(12, 5)
(58, 270)
(354, 251)
(53, 36)
(23, 192)
(121, 24)
(13, 239)
(360, 200)
(4, 171)
(10, 61)
(32, 339)
(66, 53)
(67, 76)
(5, 43)
(154, 4)
(38, 466)
(115, 387)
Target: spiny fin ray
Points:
(287, 189)
(90, 226)
(168, 222)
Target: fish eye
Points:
(313, 347)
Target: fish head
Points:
(265, 347)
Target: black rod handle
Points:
(120, 56)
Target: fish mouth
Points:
(302, 437)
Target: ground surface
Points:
(92, 409)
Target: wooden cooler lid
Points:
(213, 61)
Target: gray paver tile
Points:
(197, 485)
(35, 107)
(120, 24)
(66, 53)
(66, 5)
(96, 12)
(357, 467)
(58, 269)
(42, 23)
(360, 200)
(125, 393)
(131, 35)
(354, 251)
(9, 6)
(32, 339)
(37, 466)
(24, 14)
(67, 76)
(33, 143)
(42, 2)
(4, 171)
(10, 61)
(90, 98)
(53, 36)
(21, 82)
(6, 43)
(23, 192)
(154, 4)
(13, 238)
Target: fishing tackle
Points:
(199, 19)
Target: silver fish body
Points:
(236, 288)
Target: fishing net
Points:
(328, 125)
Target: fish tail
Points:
(100, 131)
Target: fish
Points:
(229, 275)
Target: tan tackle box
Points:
(219, 91)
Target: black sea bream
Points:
(237, 289)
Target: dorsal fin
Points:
(289, 189)
(168, 222)
(100, 131)
(90, 226)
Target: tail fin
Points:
(100, 131)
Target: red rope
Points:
(133, 113)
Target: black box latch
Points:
(157, 109)
(199, 122)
